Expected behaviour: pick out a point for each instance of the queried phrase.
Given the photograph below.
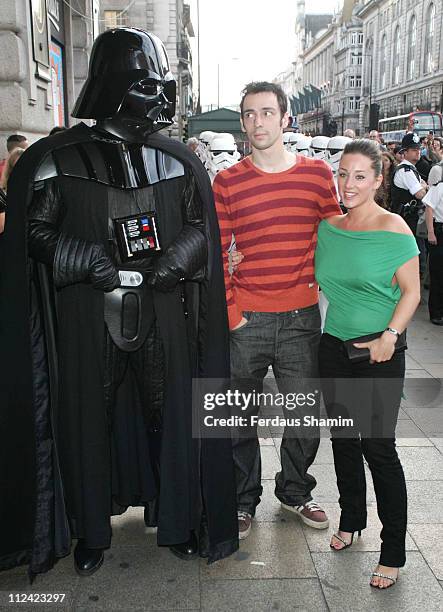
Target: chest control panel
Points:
(137, 236)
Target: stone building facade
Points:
(332, 62)
(170, 20)
(307, 28)
(318, 62)
(376, 59)
(347, 79)
(44, 49)
(403, 57)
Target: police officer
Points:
(434, 221)
(408, 189)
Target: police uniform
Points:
(434, 199)
(406, 183)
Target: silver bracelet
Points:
(393, 331)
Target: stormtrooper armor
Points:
(223, 153)
(292, 139)
(202, 150)
(335, 151)
(318, 148)
(302, 146)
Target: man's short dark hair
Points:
(14, 140)
(264, 86)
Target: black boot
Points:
(87, 560)
(186, 550)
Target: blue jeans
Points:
(287, 341)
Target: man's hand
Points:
(381, 349)
(241, 324)
(432, 238)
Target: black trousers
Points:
(435, 303)
(379, 452)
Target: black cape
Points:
(34, 527)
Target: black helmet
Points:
(129, 75)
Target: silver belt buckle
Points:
(130, 278)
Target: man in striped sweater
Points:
(272, 203)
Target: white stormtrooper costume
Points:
(336, 145)
(302, 146)
(318, 148)
(290, 140)
(334, 152)
(202, 150)
(223, 154)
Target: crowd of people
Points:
(126, 277)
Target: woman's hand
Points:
(236, 258)
(380, 349)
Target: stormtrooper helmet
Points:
(335, 151)
(318, 148)
(302, 146)
(202, 150)
(292, 139)
(206, 137)
(223, 152)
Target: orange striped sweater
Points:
(274, 218)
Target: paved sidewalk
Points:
(284, 565)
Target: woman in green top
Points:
(366, 263)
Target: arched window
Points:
(412, 47)
(429, 39)
(396, 59)
(383, 63)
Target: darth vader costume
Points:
(112, 300)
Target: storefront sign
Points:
(40, 43)
(58, 94)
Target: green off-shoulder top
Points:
(355, 272)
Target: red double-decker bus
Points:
(420, 122)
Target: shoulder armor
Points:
(115, 164)
(47, 169)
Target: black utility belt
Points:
(137, 236)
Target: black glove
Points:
(78, 261)
(183, 259)
(74, 260)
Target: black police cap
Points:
(410, 141)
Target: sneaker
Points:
(244, 524)
(310, 513)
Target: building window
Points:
(412, 47)
(356, 60)
(383, 63)
(354, 103)
(355, 81)
(396, 59)
(360, 38)
(429, 39)
(114, 19)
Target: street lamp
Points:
(232, 59)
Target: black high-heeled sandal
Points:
(346, 544)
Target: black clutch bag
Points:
(357, 355)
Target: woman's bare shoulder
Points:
(390, 222)
(335, 220)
